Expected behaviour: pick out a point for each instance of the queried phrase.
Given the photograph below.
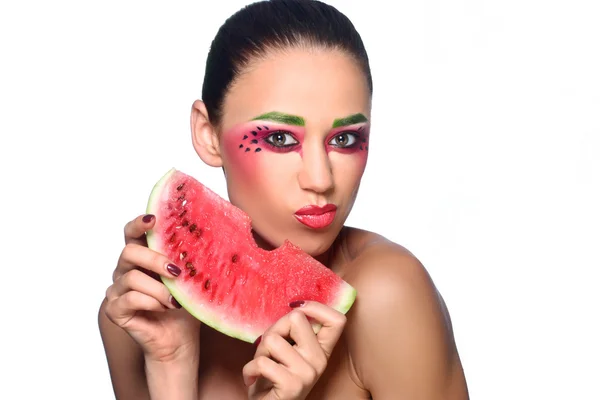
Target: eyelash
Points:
(355, 136)
(283, 148)
(267, 139)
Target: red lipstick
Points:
(316, 217)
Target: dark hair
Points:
(271, 25)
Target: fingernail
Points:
(174, 302)
(173, 269)
(257, 342)
(147, 218)
(296, 304)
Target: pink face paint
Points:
(246, 141)
(274, 137)
(246, 145)
(255, 137)
(356, 134)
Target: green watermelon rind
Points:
(343, 302)
(154, 199)
(345, 299)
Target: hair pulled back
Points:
(274, 25)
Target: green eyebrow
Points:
(283, 118)
(353, 119)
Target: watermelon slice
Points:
(227, 281)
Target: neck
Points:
(324, 258)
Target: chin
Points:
(314, 243)
(311, 241)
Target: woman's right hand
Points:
(139, 303)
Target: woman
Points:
(300, 68)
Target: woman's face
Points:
(294, 142)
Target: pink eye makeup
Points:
(271, 137)
(283, 133)
(349, 139)
(281, 140)
(273, 131)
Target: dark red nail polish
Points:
(147, 218)
(257, 341)
(296, 304)
(173, 269)
(175, 302)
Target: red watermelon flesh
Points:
(227, 281)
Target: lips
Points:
(316, 217)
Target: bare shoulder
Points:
(382, 268)
(399, 331)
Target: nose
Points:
(316, 174)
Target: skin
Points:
(396, 342)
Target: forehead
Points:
(316, 84)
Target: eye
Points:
(281, 139)
(344, 139)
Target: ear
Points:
(204, 136)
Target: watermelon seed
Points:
(189, 265)
(182, 213)
(364, 140)
(182, 255)
(361, 147)
(266, 127)
(245, 137)
(180, 186)
(241, 145)
(259, 128)
(185, 223)
(193, 227)
(247, 149)
(207, 284)
(234, 258)
(254, 141)
(193, 272)
(254, 133)
(258, 149)
(181, 197)
(172, 238)
(184, 203)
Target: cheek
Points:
(349, 168)
(359, 156)
(242, 153)
(253, 168)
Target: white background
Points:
(484, 162)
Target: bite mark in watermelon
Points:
(227, 281)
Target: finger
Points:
(332, 323)
(305, 362)
(274, 346)
(266, 368)
(135, 230)
(135, 255)
(138, 281)
(295, 325)
(123, 308)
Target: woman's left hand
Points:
(284, 371)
